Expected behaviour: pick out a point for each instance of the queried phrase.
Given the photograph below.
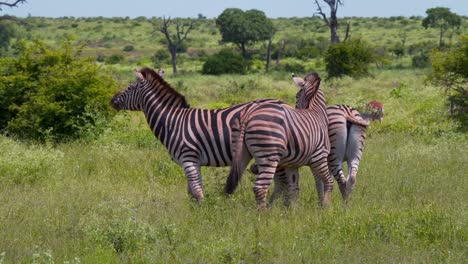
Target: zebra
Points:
(347, 139)
(347, 133)
(283, 138)
(193, 137)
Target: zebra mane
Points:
(305, 95)
(163, 85)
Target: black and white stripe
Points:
(280, 137)
(193, 137)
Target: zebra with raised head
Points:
(193, 137)
(283, 138)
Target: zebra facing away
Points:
(193, 137)
(347, 140)
(284, 139)
(347, 132)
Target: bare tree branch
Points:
(182, 31)
(320, 12)
(14, 4)
(164, 29)
(332, 21)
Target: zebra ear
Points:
(139, 76)
(299, 81)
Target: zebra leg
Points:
(338, 174)
(356, 144)
(194, 182)
(320, 168)
(338, 133)
(319, 187)
(265, 176)
(281, 182)
(293, 186)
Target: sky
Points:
(212, 8)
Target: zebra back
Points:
(283, 137)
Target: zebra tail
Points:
(357, 120)
(237, 169)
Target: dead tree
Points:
(332, 21)
(175, 41)
(11, 3)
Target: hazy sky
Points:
(212, 8)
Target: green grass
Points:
(120, 199)
(108, 36)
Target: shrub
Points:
(51, 93)
(128, 48)
(449, 70)
(421, 60)
(350, 58)
(159, 56)
(114, 59)
(226, 61)
(7, 32)
(290, 67)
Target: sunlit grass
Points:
(120, 198)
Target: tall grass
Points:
(120, 199)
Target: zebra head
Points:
(131, 97)
(308, 87)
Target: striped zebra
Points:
(347, 139)
(193, 137)
(280, 137)
(347, 132)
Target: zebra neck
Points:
(317, 101)
(161, 112)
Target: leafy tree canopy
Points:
(441, 17)
(244, 28)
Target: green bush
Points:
(50, 93)
(290, 67)
(7, 32)
(160, 56)
(450, 71)
(350, 58)
(421, 60)
(226, 61)
(114, 59)
(128, 48)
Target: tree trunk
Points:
(244, 50)
(441, 43)
(174, 60)
(334, 27)
(268, 56)
(280, 52)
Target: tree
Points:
(443, 19)
(7, 31)
(332, 21)
(244, 28)
(11, 3)
(450, 71)
(175, 41)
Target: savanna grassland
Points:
(118, 197)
